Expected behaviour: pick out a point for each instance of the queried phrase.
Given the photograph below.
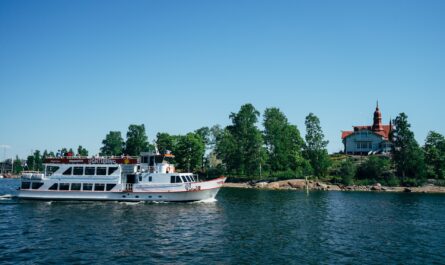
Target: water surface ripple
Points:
(241, 227)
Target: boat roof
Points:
(126, 160)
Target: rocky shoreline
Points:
(300, 184)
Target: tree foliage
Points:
(373, 168)
(240, 146)
(283, 141)
(113, 144)
(17, 165)
(137, 140)
(435, 155)
(82, 151)
(166, 142)
(189, 152)
(408, 156)
(315, 149)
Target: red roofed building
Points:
(368, 139)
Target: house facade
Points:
(368, 139)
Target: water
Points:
(241, 227)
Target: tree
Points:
(347, 171)
(38, 161)
(373, 168)
(283, 141)
(435, 155)
(17, 165)
(137, 140)
(205, 134)
(189, 152)
(408, 156)
(315, 149)
(30, 165)
(240, 146)
(82, 151)
(113, 144)
(165, 141)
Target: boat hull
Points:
(183, 196)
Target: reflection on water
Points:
(240, 227)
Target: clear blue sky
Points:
(71, 71)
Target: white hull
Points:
(119, 196)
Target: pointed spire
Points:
(377, 106)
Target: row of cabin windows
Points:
(89, 171)
(82, 186)
(31, 185)
(180, 179)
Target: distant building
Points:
(6, 166)
(368, 139)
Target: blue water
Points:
(241, 227)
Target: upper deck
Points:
(120, 160)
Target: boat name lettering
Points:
(102, 161)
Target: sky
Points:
(71, 71)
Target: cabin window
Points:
(50, 170)
(25, 185)
(36, 185)
(144, 159)
(184, 179)
(172, 179)
(110, 186)
(90, 171)
(111, 170)
(99, 187)
(87, 186)
(68, 171)
(55, 186)
(75, 186)
(102, 171)
(64, 186)
(78, 171)
(150, 179)
(178, 179)
(188, 178)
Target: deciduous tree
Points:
(137, 140)
(113, 144)
(408, 156)
(315, 149)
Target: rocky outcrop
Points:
(300, 184)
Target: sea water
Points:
(242, 226)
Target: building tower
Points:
(377, 125)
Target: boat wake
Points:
(210, 200)
(7, 197)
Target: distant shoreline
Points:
(300, 184)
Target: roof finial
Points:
(377, 104)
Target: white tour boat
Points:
(148, 178)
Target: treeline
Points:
(242, 150)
